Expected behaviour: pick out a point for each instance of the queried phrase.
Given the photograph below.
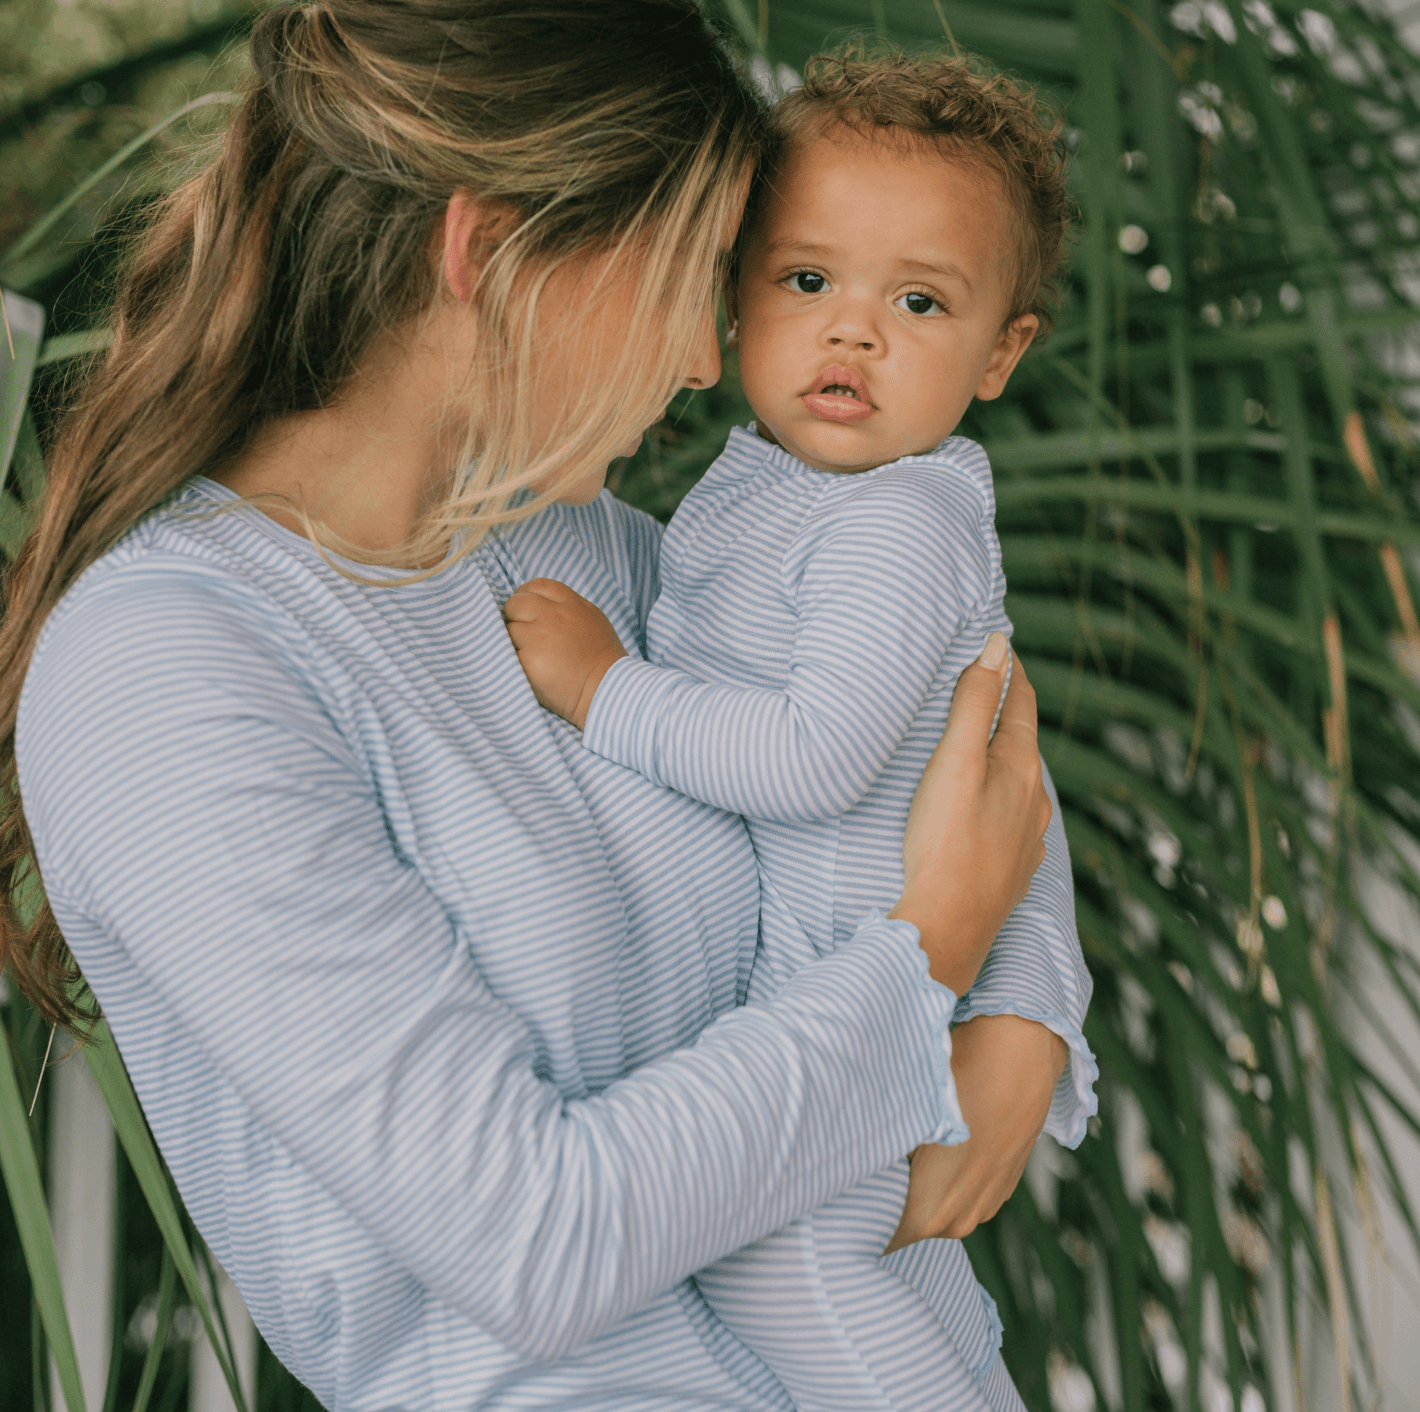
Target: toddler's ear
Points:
(1015, 339)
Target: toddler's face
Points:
(872, 300)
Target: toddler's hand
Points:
(565, 645)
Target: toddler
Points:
(822, 588)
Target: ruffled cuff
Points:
(941, 1003)
(1074, 1101)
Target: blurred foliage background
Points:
(1207, 486)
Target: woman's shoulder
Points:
(202, 601)
(190, 564)
(610, 528)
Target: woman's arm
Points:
(1020, 1062)
(195, 805)
(1005, 1069)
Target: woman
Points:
(432, 1012)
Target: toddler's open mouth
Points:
(839, 394)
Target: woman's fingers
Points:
(1016, 749)
(977, 695)
(1005, 1069)
(1018, 713)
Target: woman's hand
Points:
(1005, 1069)
(976, 829)
(565, 645)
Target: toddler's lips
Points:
(837, 407)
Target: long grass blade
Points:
(152, 1359)
(41, 228)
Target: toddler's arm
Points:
(886, 585)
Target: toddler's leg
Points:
(840, 1330)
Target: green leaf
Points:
(167, 1290)
(24, 328)
(74, 345)
(26, 1192)
(10, 260)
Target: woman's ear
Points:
(470, 226)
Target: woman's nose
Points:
(704, 369)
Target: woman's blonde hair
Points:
(619, 128)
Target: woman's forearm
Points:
(1006, 1069)
(1036, 970)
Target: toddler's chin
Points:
(830, 446)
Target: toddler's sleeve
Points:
(882, 583)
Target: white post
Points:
(81, 1210)
(1386, 1267)
(208, 1390)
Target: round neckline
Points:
(215, 490)
(776, 455)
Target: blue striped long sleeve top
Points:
(433, 1012)
(800, 665)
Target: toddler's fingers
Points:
(547, 588)
(525, 605)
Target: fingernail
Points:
(994, 653)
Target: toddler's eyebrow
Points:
(943, 271)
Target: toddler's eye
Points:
(807, 282)
(918, 303)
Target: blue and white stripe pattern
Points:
(433, 1012)
(799, 670)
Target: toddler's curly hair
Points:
(970, 112)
